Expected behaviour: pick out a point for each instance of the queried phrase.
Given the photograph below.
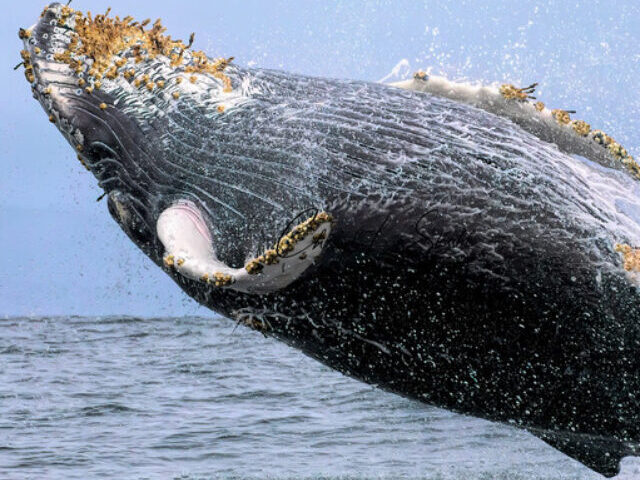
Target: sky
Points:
(63, 254)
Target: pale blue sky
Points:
(62, 253)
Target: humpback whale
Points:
(461, 246)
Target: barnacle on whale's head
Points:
(81, 65)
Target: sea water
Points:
(198, 398)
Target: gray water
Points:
(193, 398)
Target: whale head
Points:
(159, 125)
(108, 83)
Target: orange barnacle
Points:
(581, 127)
(110, 42)
(561, 116)
(511, 92)
(220, 108)
(631, 257)
(176, 95)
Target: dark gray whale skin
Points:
(470, 266)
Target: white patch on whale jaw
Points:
(189, 250)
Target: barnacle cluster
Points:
(288, 242)
(563, 117)
(218, 279)
(580, 127)
(631, 257)
(169, 261)
(105, 47)
(539, 106)
(511, 92)
(26, 61)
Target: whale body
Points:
(408, 240)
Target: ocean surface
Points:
(195, 398)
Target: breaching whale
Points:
(461, 246)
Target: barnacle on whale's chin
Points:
(82, 66)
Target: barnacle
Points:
(581, 127)
(221, 279)
(106, 41)
(561, 116)
(288, 242)
(631, 257)
(600, 137)
(420, 75)
(169, 260)
(511, 92)
(617, 150)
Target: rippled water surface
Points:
(192, 398)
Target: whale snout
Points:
(44, 45)
(53, 82)
(61, 84)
